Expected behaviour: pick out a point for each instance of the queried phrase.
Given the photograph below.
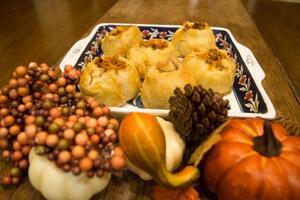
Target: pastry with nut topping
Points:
(111, 80)
(194, 36)
(212, 69)
(150, 52)
(161, 81)
(120, 40)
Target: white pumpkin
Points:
(56, 184)
(174, 150)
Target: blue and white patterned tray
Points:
(247, 99)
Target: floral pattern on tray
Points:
(245, 90)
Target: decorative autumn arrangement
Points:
(70, 142)
(254, 160)
(74, 138)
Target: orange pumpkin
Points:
(188, 193)
(254, 160)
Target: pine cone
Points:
(196, 113)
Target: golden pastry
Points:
(150, 52)
(212, 69)
(194, 36)
(120, 39)
(160, 83)
(111, 80)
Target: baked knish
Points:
(150, 52)
(111, 80)
(120, 39)
(212, 69)
(160, 82)
(194, 36)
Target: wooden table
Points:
(224, 13)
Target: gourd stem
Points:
(267, 144)
(187, 176)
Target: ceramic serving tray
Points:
(247, 99)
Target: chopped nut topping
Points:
(213, 58)
(195, 25)
(118, 30)
(111, 63)
(155, 44)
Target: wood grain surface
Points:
(279, 31)
(224, 13)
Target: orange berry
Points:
(14, 130)
(106, 110)
(61, 81)
(45, 67)
(117, 162)
(23, 91)
(69, 124)
(89, 99)
(78, 151)
(21, 71)
(64, 157)
(28, 105)
(3, 143)
(118, 151)
(3, 112)
(81, 120)
(9, 120)
(27, 99)
(6, 180)
(22, 138)
(21, 108)
(16, 145)
(55, 112)
(17, 155)
(70, 88)
(21, 81)
(94, 104)
(69, 134)
(6, 154)
(93, 154)
(81, 139)
(29, 120)
(103, 121)
(25, 150)
(23, 164)
(41, 137)
(3, 99)
(68, 68)
(95, 139)
(73, 74)
(52, 140)
(85, 164)
(13, 83)
(73, 118)
(3, 132)
(79, 112)
(52, 87)
(30, 130)
(59, 121)
(97, 112)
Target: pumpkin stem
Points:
(267, 144)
